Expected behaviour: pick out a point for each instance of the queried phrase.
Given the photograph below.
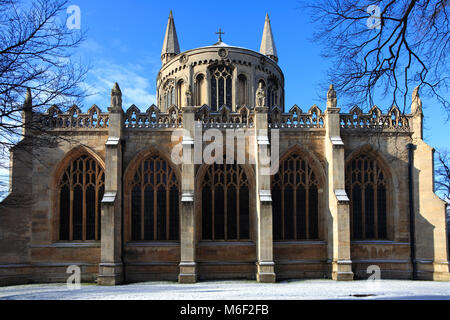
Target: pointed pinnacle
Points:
(170, 45)
(28, 98)
(268, 47)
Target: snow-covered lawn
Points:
(237, 290)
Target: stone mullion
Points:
(141, 167)
(294, 193)
(363, 200)
(282, 210)
(375, 202)
(97, 190)
(83, 189)
(155, 208)
(71, 203)
(225, 200)
(307, 208)
(167, 207)
(238, 211)
(213, 211)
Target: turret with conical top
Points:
(171, 47)
(268, 44)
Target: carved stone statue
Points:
(331, 97)
(416, 106)
(260, 96)
(188, 96)
(116, 97)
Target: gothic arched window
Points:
(181, 94)
(272, 93)
(295, 194)
(366, 186)
(81, 189)
(200, 90)
(154, 192)
(225, 203)
(169, 94)
(242, 91)
(221, 87)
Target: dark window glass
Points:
(155, 201)
(221, 87)
(81, 192)
(295, 200)
(64, 218)
(149, 217)
(207, 213)
(136, 213)
(90, 212)
(277, 208)
(225, 204)
(232, 212)
(365, 182)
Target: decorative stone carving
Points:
(188, 96)
(184, 59)
(260, 96)
(116, 97)
(223, 53)
(416, 106)
(331, 98)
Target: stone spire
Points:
(171, 46)
(268, 44)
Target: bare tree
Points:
(385, 48)
(442, 174)
(36, 64)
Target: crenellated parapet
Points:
(74, 119)
(153, 118)
(296, 118)
(225, 118)
(393, 120)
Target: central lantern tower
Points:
(219, 75)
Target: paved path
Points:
(237, 290)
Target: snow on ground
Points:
(237, 290)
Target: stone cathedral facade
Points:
(352, 190)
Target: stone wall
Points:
(31, 252)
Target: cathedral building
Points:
(350, 190)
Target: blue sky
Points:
(124, 40)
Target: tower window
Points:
(272, 93)
(221, 87)
(200, 90)
(243, 90)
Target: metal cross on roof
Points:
(220, 33)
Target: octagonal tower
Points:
(218, 75)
